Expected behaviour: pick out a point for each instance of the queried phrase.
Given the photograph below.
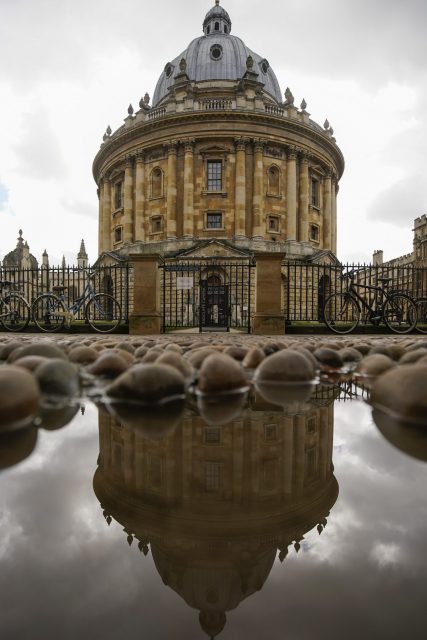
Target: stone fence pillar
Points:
(268, 318)
(145, 318)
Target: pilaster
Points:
(303, 198)
(128, 202)
(258, 192)
(240, 193)
(140, 198)
(188, 208)
(327, 212)
(171, 191)
(106, 216)
(291, 194)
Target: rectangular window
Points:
(212, 435)
(156, 224)
(270, 432)
(214, 175)
(314, 233)
(314, 192)
(273, 224)
(118, 196)
(118, 234)
(212, 476)
(214, 221)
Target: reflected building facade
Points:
(216, 504)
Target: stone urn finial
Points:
(303, 105)
(326, 124)
(130, 110)
(183, 65)
(249, 63)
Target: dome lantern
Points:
(216, 21)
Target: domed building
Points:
(217, 501)
(220, 163)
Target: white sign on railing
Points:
(184, 282)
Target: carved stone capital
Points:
(240, 143)
(188, 145)
(259, 145)
(129, 160)
(291, 153)
(172, 147)
(140, 157)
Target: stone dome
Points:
(217, 55)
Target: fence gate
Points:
(207, 294)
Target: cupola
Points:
(216, 21)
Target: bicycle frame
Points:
(79, 302)
(379, 291)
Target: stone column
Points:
(145, 318)
(327, 212)
(268, 318)
(188, 189)
(171, 192)
(291, 195)
(101, 216)
(303, 199)
(140, 198)
(128, 202)
(106, 214)
(240, 193)
(258, 231)
(334, 215)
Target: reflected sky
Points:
(64, 572)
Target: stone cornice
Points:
(279, 124)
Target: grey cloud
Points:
(375, 40)
(38, 152)
(401, 202)
(81, 208)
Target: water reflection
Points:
(216, 503)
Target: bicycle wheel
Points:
(421, 307)
(103, 313)
(341, 313)
(400, 314)
(15, 312)
(49, 312)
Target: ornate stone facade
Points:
(219, 154)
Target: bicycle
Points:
(15, 312)
(342, 311)
(101, 310)
(421, 307)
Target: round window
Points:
(264, 66)
(216, 52)
(168, 70)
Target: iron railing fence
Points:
(114, 279)
(306, 286)
(207, 293)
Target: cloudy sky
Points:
(68, 68)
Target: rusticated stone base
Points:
(268, 325)
(140, 324)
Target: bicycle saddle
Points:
(5, 283)
(59, 289)
(385, 280)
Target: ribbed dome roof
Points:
(217, 55)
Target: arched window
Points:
(156, 183)
(225, 29)
(273, 181)
(208, 30)
(216, 26)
